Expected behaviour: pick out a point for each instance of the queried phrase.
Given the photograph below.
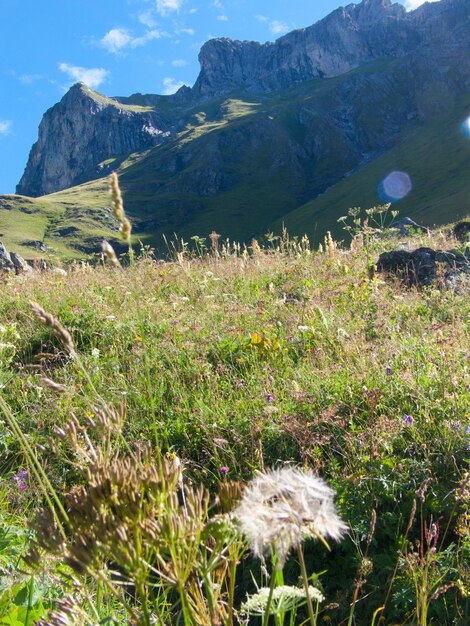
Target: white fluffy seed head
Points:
(283, 507)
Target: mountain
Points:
(268, 132)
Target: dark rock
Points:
(462, 231)
(5, 259)
(421, 266)
(18, 262)
(39, 245)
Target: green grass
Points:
(248, 360)
(434, 156)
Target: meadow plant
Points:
(278, 511)
(141, 407)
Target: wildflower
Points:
(95, 353)
(284, 598)
(269, 397)
(285, 506)
(409, 420)
(467, 430)
(224, 469)
(20, 479)
(388, 371)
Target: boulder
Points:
(19, 263)
(421, 267)
(462, 231)
(5, 259)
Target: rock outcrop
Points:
(83, 137)
(421, 267)
(345, 39)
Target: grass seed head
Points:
(53, 323)
(110, 254)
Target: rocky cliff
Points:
(84, 136)
(344, 40)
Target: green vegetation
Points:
(181, 379)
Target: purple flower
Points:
(467, 430)
(409, 420)
(20, 479)
(224, 469)
(388, 371)
(360, 443)
(269, 397)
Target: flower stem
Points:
(303, 569)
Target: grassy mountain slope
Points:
(435, 156)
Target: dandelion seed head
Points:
(283, 507)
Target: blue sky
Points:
(118, 47)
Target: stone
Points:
(462, 231)
(19, 263)
(421, 267)
(6, 263)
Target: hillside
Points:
(294, 131)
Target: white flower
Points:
(95, 353)
(284, 599)
(283, 507)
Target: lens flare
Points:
(466, 127)
(395, 186)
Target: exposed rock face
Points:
(81, 132)
(344, 40)
(350, 123)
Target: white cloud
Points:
(5, 127)
(165, 7)
(217, 4)
(186, 31)
(93, 77)
(179, 63)
(411, 5)
(29, 79)
(222, 18)
(118, 38)
(146, 18)
(277, 27)
(171, 85)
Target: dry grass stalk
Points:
(118, 208)
(108, 250)
(53, 323)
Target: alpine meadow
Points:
(235, 335)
